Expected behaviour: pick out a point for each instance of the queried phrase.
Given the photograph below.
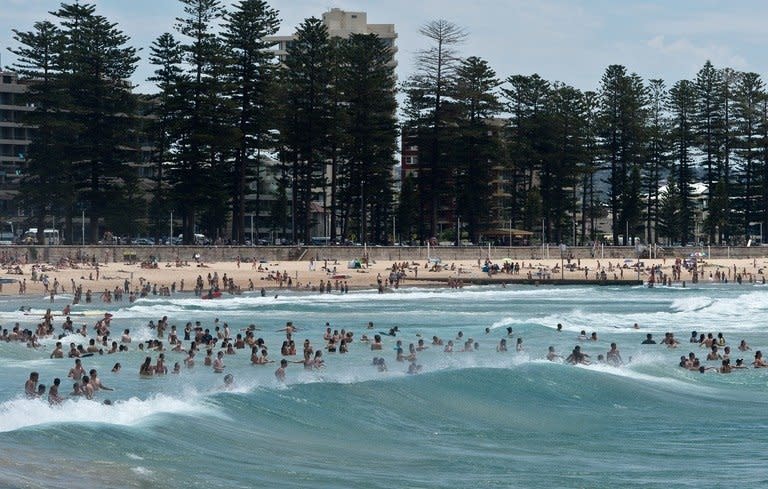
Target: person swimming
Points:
(578, 357)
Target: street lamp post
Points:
(563, 247)
(639, 250)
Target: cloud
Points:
(686, 51)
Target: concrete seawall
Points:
(119, 253)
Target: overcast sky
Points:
(567, 40)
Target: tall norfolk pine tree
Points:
(249, 79)
(477, 144)
(166, 54)
(306, 76)
(682, 105)
(429, 95)
(96, 64)
(369, 148)
(195, 156)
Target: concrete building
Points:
(14, 142)
(342, 24)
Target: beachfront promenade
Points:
(218, 253)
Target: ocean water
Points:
(479, 419)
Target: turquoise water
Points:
(478, 419)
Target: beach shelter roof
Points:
(497, 232)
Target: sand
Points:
(305, 275)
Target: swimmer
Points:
(552, 356)
(117, 368)
(160, 367)
(57, 352)
(577, 356)
(218, 364)
(376, 345)
(502, 346)
(413, 368)
(229, 381)
(743, 346)
(725, 367)
(146, 369)
(648, 340)
(613, 357)
(86, 388)
(53, 393)
(30, 386)
(76, 372)
(280, 372)
(759, 362)
(96, 381)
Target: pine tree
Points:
(670, 223)
(370, 143)
(727, 132)
(250, 81)
(197, 157)
(526, 98)
(589, 166)
(748, 105)
(658, 159)
(564, 150)
(682, 105)
(708, 125)
(428, 91)
(307, 77)
(624, 112)
(166, 108)
(477, 101)
(96, 65)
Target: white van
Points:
(200, 239)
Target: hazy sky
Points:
(567, 40)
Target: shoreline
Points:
(99, 277)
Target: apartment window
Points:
(7, 79)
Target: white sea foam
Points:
(23, 413)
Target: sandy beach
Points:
(305, 275)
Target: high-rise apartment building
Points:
(14, 140)
(341, 23)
